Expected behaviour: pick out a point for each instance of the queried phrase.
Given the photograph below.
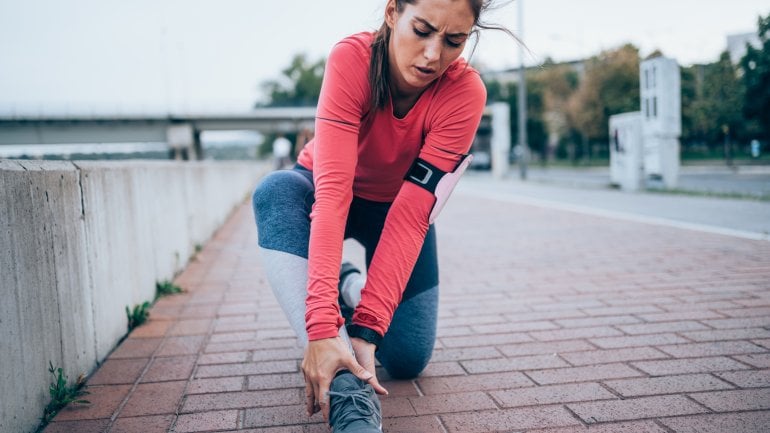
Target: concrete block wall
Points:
(80, 241)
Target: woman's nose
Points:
(432, 50)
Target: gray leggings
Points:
(282, 204)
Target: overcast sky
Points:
(148, 56)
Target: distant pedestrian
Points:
(281, 152)
(396, 117)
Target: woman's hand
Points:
(323, 359)
(365, 356)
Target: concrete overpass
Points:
(180, 131)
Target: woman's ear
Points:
(391, 13)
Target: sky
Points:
(81, 57)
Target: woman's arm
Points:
(335, 154)
(344, 94)
(454, 126)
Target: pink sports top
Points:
(367, 154)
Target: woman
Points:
(397, 113)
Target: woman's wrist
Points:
(367, 334)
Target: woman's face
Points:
(426, 38)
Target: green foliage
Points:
(713, 95)
(61, 394)
(138, 315)
(497, 92)
(559, 82)
(691, 80)
(712, 105)
(610, 86)
(755, 66)
(300, 84)
(509, 92)
(165, 288)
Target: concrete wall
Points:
(79, 241)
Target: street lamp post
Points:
(523, 148)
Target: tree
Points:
(508, 92)
(713, 112)
(692, 91)
(755, 67)
(610, 86)
(300, 84)
(559, 82)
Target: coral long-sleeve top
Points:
(367, 153)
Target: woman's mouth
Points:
(425, 72)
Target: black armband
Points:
(436, 181)
(424, 174)
(364, 333)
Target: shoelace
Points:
(352, 412)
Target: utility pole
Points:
(523, 148)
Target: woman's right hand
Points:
(323, 359)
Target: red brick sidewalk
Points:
(548, 320)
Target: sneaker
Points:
(354, 406)
(346, 269)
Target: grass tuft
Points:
(165, 288)
(138, 315)
(61, 394)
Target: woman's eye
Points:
(453, 44)
(420, 33)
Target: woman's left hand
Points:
(365, 356)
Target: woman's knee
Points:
(266, 189)
(406, 363)
(288, 186)
(408, 345)
(282, 203)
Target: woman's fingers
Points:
(367, 376)
(310, 398)
(379, 389)
(363, 365)
(323, 358)
(358, 370)
(323, 399)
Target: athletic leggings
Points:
(282, 204)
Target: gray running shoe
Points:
(354, 406)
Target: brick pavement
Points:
(550, 321)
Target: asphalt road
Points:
(587, 191)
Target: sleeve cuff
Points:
(320, 325)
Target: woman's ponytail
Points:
(378, 69)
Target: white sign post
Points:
(661, 112)
(501, 138)
(626, 151)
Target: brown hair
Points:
(379, 78)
